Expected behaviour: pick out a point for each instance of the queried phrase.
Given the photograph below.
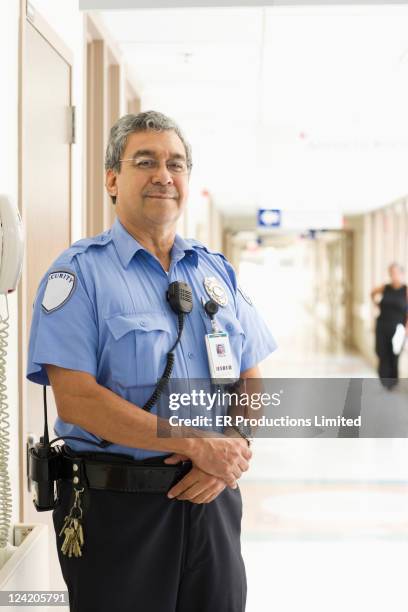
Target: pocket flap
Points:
(120, 325)
(228, 323)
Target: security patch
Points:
(59, 289)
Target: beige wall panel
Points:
(400, 232)
(96, 136)
(405, 241)
(379, 250)
(133, 105)
(113, 100)
(46, 182)
(380, 237)
(389, 237)
(133, 101)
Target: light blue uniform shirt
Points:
(117, 325)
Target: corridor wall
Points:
(380, 237)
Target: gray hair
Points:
(142, 122)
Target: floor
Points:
(325, 525)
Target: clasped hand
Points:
(217, 463)
(197, 487)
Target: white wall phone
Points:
(11, 261)
(11, 246)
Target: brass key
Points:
(72, 529)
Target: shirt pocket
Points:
(138, 347)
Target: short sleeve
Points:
(63, 330)
(259, 342)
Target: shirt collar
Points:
(127, 246)
(182, 248)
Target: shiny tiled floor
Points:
(325, 523)
(335, 576)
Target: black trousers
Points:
(387, 361)
(144, 552)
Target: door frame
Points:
(103, 93)
(29, 17)
(95, 121)
(133, 102)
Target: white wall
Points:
(9, 24)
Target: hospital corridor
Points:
(204, 192)
(324, 519)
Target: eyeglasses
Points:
(149, 164)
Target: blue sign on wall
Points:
(269, 217)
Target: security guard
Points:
(157, 520)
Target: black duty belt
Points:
(117, 473)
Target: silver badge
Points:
(215, 290)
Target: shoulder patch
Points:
(60, 287)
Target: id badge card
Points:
(220, 357)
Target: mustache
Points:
(161, 192)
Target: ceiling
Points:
(293, 108)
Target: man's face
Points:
(149, 189)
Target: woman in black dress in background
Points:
(393, 310)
